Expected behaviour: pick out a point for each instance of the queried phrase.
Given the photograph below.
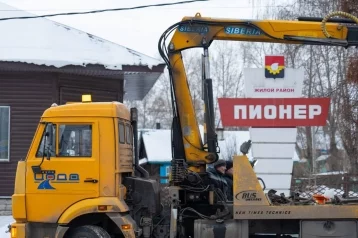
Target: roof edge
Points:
(90, 69)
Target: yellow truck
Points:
(81, 176)
(75, 174)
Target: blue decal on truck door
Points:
(48, 177)
(45, 185)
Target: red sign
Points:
(274, 112)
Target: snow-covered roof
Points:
(158, 144)
(143, 161)
(322, 157)
(44, 42)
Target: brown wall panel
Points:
(29, 94)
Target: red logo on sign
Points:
(274, 112)
(274, 66)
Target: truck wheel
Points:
(88, 231)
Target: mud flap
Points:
(60, 231)
(225, 229)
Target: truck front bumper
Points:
(17, 230)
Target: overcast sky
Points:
(137, 29)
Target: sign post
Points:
(273, 108)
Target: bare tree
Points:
(192, 62)
(348, 110)
(226, 71)
(157, 105)
(326, 70)
(324, 77)
(229, 147)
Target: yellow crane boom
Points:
(200, 32)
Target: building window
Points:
(75, 141)
(45, 146)
(168, 170)
(4, 133)
(128, 134)
(121, 133)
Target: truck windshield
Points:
(42, 149)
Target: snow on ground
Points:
(4, 222)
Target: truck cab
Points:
(79, 173)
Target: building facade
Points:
(54, 63)
(25, 95)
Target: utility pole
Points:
(314, 169)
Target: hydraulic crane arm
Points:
(194, 32)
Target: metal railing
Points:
(341, 184)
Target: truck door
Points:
(70, 175)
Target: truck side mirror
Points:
(134, 114)
(47, 147)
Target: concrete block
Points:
(272, 165)
(5, 205)
(5, 213)
(273, 135)
(273, 150)
(276, 181)
(5, 201)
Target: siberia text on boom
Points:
(235, 30)
(276, 111)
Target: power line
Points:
(213, 7)
(103, 10)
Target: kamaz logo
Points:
(248, 31)
(48, 177)
(249, 196)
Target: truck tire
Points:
(88, 231)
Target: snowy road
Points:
(4, 222)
